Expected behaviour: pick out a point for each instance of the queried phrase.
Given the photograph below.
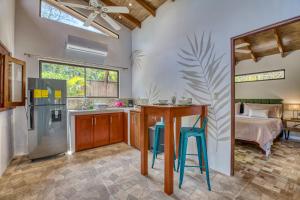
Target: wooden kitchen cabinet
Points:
(135, 129)
(135, 121)
(84, 132)
(125, 127)
(98, 130)
(116, 128)
(101, 130)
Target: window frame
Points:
(261, 72)
(107, 31)
(85, 67)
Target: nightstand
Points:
(287, 129)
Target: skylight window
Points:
(51, 12)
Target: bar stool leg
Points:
(155, 145)
(183, 158)
(198, 139)
(205, 160)
(179, 151)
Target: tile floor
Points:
(112, 172)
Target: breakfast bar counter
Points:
(168, 112)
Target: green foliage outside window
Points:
(79, 79)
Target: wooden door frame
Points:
(233, 63)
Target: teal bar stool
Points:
(158, 127)
(199, 134)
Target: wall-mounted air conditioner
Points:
(86, 46)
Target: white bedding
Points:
(260, 130)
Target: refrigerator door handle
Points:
(31, 118)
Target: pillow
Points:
(246, 109)
(258, 113)
(237, 108)
(275, 110)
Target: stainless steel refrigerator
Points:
(47, 117)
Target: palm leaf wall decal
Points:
(137, 58)
(153, 93)
(205, 78)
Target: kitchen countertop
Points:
(104, 110)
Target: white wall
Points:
(162, 38)
(287, 89)
(7, 21)
(47, 38)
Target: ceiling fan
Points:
(239, 46)
(98, 8)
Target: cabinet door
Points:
(84, 132)
(116, 128)
(101, 130)
(137, 130)
(134, 129)
(125, 120)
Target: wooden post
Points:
(144, 142)
(169, 152)
(204, 113)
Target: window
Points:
(12, 80)
(261, 76)
(51, 12)
(83, 81)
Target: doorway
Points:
(240, 43)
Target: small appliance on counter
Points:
(130, 103)
(47, 117)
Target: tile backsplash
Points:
(78, 103)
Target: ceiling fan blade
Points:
(94, 3)
(246, 51)
(111, 21)
(90, 19)
(246, 44)
(73, 5)
(115, 9)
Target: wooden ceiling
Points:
(139, 10)
(280, 40)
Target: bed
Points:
(261, 130)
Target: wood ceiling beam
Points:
(129, 17)
(279, 42)
(147, 6)
(253, 57)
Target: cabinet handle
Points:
(111, 120)
(95, 121)
(92, 121)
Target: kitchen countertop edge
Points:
(106, 110)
